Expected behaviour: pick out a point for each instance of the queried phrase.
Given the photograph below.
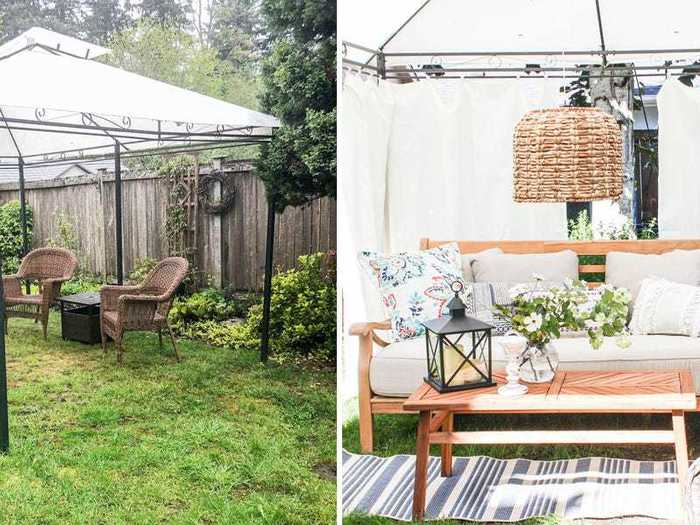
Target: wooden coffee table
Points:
(668, 391)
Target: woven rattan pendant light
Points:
(567, 155)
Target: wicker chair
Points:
(50, 267)
(142, 308)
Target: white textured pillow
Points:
(665, 307)
(468, 258)
(519, 268)
(627, 270)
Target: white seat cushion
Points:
(398, 369)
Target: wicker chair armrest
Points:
(368, 329)
(12, 285)
(109, 295)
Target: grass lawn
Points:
(395, 434)
(217, 438)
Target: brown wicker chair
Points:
(50, 267)
(142, 308)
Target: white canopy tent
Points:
(58, 105)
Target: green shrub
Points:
(142, 269)
(302, 312)
(206, 305)
(81, 283)
(214, 333)
(67, 237)
(650, 229)
(241, 302)
(11, 235)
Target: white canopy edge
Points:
(52, 40)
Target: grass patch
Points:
(218, 438)
(396, 434)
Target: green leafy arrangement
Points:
(11, 235)
(541, 315)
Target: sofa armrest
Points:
(365, 332)
(368, 329)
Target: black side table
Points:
(80, 317)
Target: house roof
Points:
(10, 174)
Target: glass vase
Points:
(538, 364)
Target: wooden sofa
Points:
(370, 403)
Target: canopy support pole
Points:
(4, 419)
(23, 213)
(267, 290)
(118, 211)
(602, 36)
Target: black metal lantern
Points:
(458, 349)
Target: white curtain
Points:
(366, 113)
(679, 160)
(429, 159)
(450, 166)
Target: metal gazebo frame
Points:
(126, 139)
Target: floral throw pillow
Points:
(415, 286)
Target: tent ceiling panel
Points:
(497, 26)
(539, 26)
(644, 24)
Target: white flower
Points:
(533, 322)
(538, 277)
(518, 290)
(592, 325)
(624, 294)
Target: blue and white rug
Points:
(487, 489)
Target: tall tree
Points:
(16, 16)
(232, 27)
(175, 57)
(299, 87)
(103, 18)
(172, 13)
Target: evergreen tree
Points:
(299, 87)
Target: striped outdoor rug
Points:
(488, 489)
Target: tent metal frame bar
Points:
(245, 131)
(133, 154)
(539, 52)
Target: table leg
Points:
(422, 454)
(678, 417)
(446, 449)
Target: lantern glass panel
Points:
(459, 361)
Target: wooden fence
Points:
(230, 248)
